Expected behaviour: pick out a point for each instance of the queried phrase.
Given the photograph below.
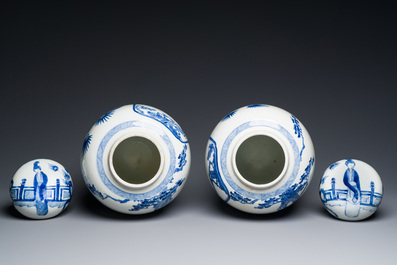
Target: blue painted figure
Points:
(352, 182)
(40, 189)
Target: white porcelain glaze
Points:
(130, 193)
(41, 189)
(351, 190)
(275, 136)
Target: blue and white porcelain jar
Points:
(260, 159)
(135, 159)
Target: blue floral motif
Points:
(292, 193)
(213, 169)
(163, 118)
(158, 201)
(298, 132)
(105, 117)
(182, 159)
(87, 142)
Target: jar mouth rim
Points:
(151, 181)
(260, 132)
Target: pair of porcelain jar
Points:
(136, 159)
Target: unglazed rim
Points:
(255, 132)
(130, 186)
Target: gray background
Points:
(332, 65)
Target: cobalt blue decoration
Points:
(135, 159)
(41, 189)
(260, 159)
(86, 144)
(351, 190)
(105, 117)
(162, 118)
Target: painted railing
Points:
(56, 193)
(369, 198)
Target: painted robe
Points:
(353, 199)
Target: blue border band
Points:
(225, 150)
(130, 195)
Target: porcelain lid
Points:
(351, 190)
(41, 189)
